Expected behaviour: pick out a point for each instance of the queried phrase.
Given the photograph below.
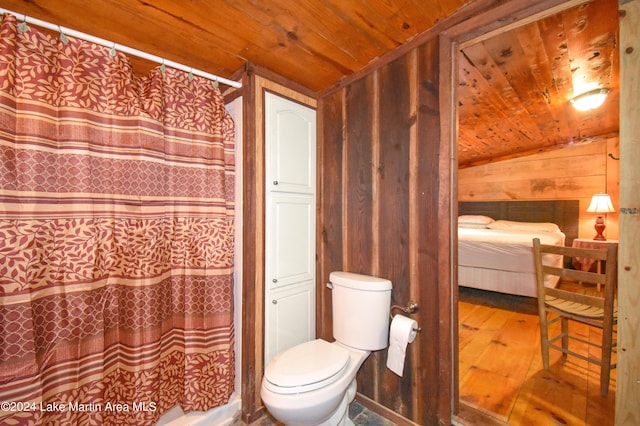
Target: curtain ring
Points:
(63, 38)
(23, 27)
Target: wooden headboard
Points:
(564, 213)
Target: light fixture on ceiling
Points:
(590, 100)
(600, 204)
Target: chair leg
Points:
(544, 340)
(605, 374)
(605, 363)
(565, 335)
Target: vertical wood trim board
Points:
(628, 378)
(252, 330)
(375, 167)
(414, 212)
(344, 179)
(378, 358)
(446, 234)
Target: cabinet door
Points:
(290, 132)
(290, 318)
(290, 239)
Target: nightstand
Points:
(587, 264)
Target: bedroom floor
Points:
(501, 370)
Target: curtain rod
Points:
(124, 49)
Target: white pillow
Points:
(474, 221)
(524, 226)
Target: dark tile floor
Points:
(357, 413)
(365, 417)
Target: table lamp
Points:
(600, 203)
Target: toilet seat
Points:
(306, 367)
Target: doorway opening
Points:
(459, 45)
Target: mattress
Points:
(501, 249)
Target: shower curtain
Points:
(116, 236)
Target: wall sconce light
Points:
(590, 100)
(600, 203)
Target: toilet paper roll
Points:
(402, 332)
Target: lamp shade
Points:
(600, 203)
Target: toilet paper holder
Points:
(410, 308)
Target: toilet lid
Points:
(309, 363)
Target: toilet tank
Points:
(360, 306)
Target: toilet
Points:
(313, 383)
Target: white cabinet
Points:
(291, 317)
(290, 239)
(290, 130)
(290, 224)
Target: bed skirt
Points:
(518, 283)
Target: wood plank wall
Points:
(384, 194)
(378, 201)
(572, 173)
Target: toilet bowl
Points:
(312, 384)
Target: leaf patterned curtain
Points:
(116, 236)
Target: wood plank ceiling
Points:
(314, 43)
(514, 88)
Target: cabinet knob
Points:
(275, 302)
(275, 280)
(275, 182)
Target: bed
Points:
(495, 242)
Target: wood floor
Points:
(501, 370)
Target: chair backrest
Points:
(607, 277)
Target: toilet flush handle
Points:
(330, 286)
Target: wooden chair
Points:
(594, 308)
